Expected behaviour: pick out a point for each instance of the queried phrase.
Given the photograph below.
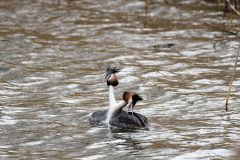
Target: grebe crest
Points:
(110, 76)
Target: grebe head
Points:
(110, 76)
(131, 99)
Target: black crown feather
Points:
(111, 70)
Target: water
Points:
(53, 58)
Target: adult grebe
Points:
(115, 116)
(99, 117)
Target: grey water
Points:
(53, 56)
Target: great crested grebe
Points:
(115, 116)
(99, 117)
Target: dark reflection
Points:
(123, 130)
(130, 142)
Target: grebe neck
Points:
(118, 108)
(111, 97)
(115, 110)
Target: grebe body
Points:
(122, 120)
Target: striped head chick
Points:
(131, 99)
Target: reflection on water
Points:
(52, 65)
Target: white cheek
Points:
(110, 77)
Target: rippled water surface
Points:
(53, 57)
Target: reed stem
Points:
(231, 82)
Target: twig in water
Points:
(233, 8)
(230, 84)
(222, 29)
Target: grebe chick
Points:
(130, 120)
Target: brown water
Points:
(53, 58)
